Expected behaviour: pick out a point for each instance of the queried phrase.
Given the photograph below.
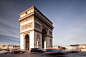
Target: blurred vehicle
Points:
(34, 50)
(16, 51)
(3, 51)
(71, 49)
(54, 51)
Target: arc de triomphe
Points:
(35, 29)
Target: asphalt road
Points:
(26, 54)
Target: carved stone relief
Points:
(26, 26)
(38, 38)
(50, 33)
(37, 26)
(43, 27)
(50, 42)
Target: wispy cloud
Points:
(8, 40)
(8, 29)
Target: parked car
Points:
(34, 50)
(3, 51)
(16, 51)
(54, 51)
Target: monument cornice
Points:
(48, 36)
(41, 33)
(31, 30)
(37, 31)
(27, 10)
(28, 31)
(26, 16)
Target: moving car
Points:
(16, 51)
(54, 51)
(35, 50)
(3, 51)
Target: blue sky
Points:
(68, 17)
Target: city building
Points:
(56, 47)
(82, 46)
(9, 47)
(4, 47)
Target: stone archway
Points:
(39, 28)
(44, 33)
(27, 42)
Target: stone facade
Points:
(38, 29)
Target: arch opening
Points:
(27, 42)
(44, 33)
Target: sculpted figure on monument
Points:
(50, 42)
(37, 25)
(50, 33)
(38, 38)
(26, 26)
